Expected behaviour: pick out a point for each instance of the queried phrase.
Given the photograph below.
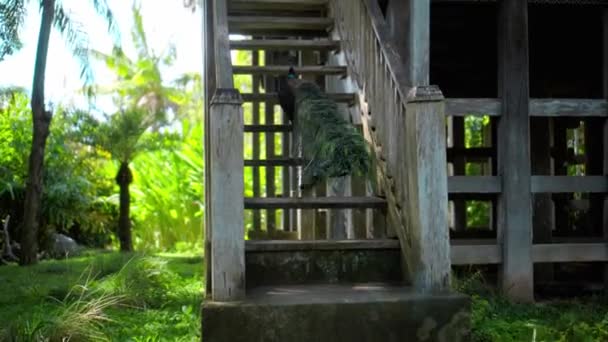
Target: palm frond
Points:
(12, 15)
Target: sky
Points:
(165, 22)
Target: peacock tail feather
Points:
(330, 145)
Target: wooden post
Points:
(428, 256)
(515, 218)
(460, 207)
(605, 79)
(225, 200)
(408, 22)
(209, 85)
(542, 215)
(270, 136)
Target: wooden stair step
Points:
(277, 70)
(274, 162)
(354, 202)
(276, 5)
(249, 24)
(319, 245)
(274, 98)
(285, 44)
(267, 128)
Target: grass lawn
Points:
(116, 297)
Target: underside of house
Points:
(487, 125)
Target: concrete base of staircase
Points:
(335, 313)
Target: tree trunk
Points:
(41, 123)
(123, 179)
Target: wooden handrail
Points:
(404, 120)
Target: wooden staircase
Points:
(302, 283)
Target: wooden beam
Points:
(273, 162)
(314, 202)
(226, 206)
(319, 245)
(242, 24)
(605, 128)
(538, 107)
(276, 70)
(474, 184)
(276, 5)
(267, 128)
(273, 97)
(569, 107)
(514, 205)
(475, 254)
(285, 44)
(563, 184)
(477, 107)
(570, 252)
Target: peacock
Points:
(330, 146)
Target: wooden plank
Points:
(227, 210)
(569, 107)
(314, 202)
(285, 44)
(474, 184)
(273, 97)
(270, 83)
(477, 107)
(570, 252)
(427, 191)
(267, 128)
(319, 245)
(242, 24)
(563, 184)
(515, 203)
(538, 107)
(475, 254)
(276, 5)
(273, 162)
(276, 70)
(459, 163)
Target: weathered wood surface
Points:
(225, 199)
(209, 85)
(273, 98)
(314, 202)
(514, 204)
(270, 85)
(241, 24)
(276, 5)
(285, 44)
(427, 200)
(255, 145)
(223, 61)
(474, 184)
(459, 167)
(563, 184)
(267, 128)
(335, 245)
(538, 107)
(475, 254)
(276, 70)
(569, 107)
(570, 252)
(477, 107)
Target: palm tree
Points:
(53, 14)
(144, 103)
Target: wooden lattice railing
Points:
(406, 125)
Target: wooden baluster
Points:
(257, 222)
